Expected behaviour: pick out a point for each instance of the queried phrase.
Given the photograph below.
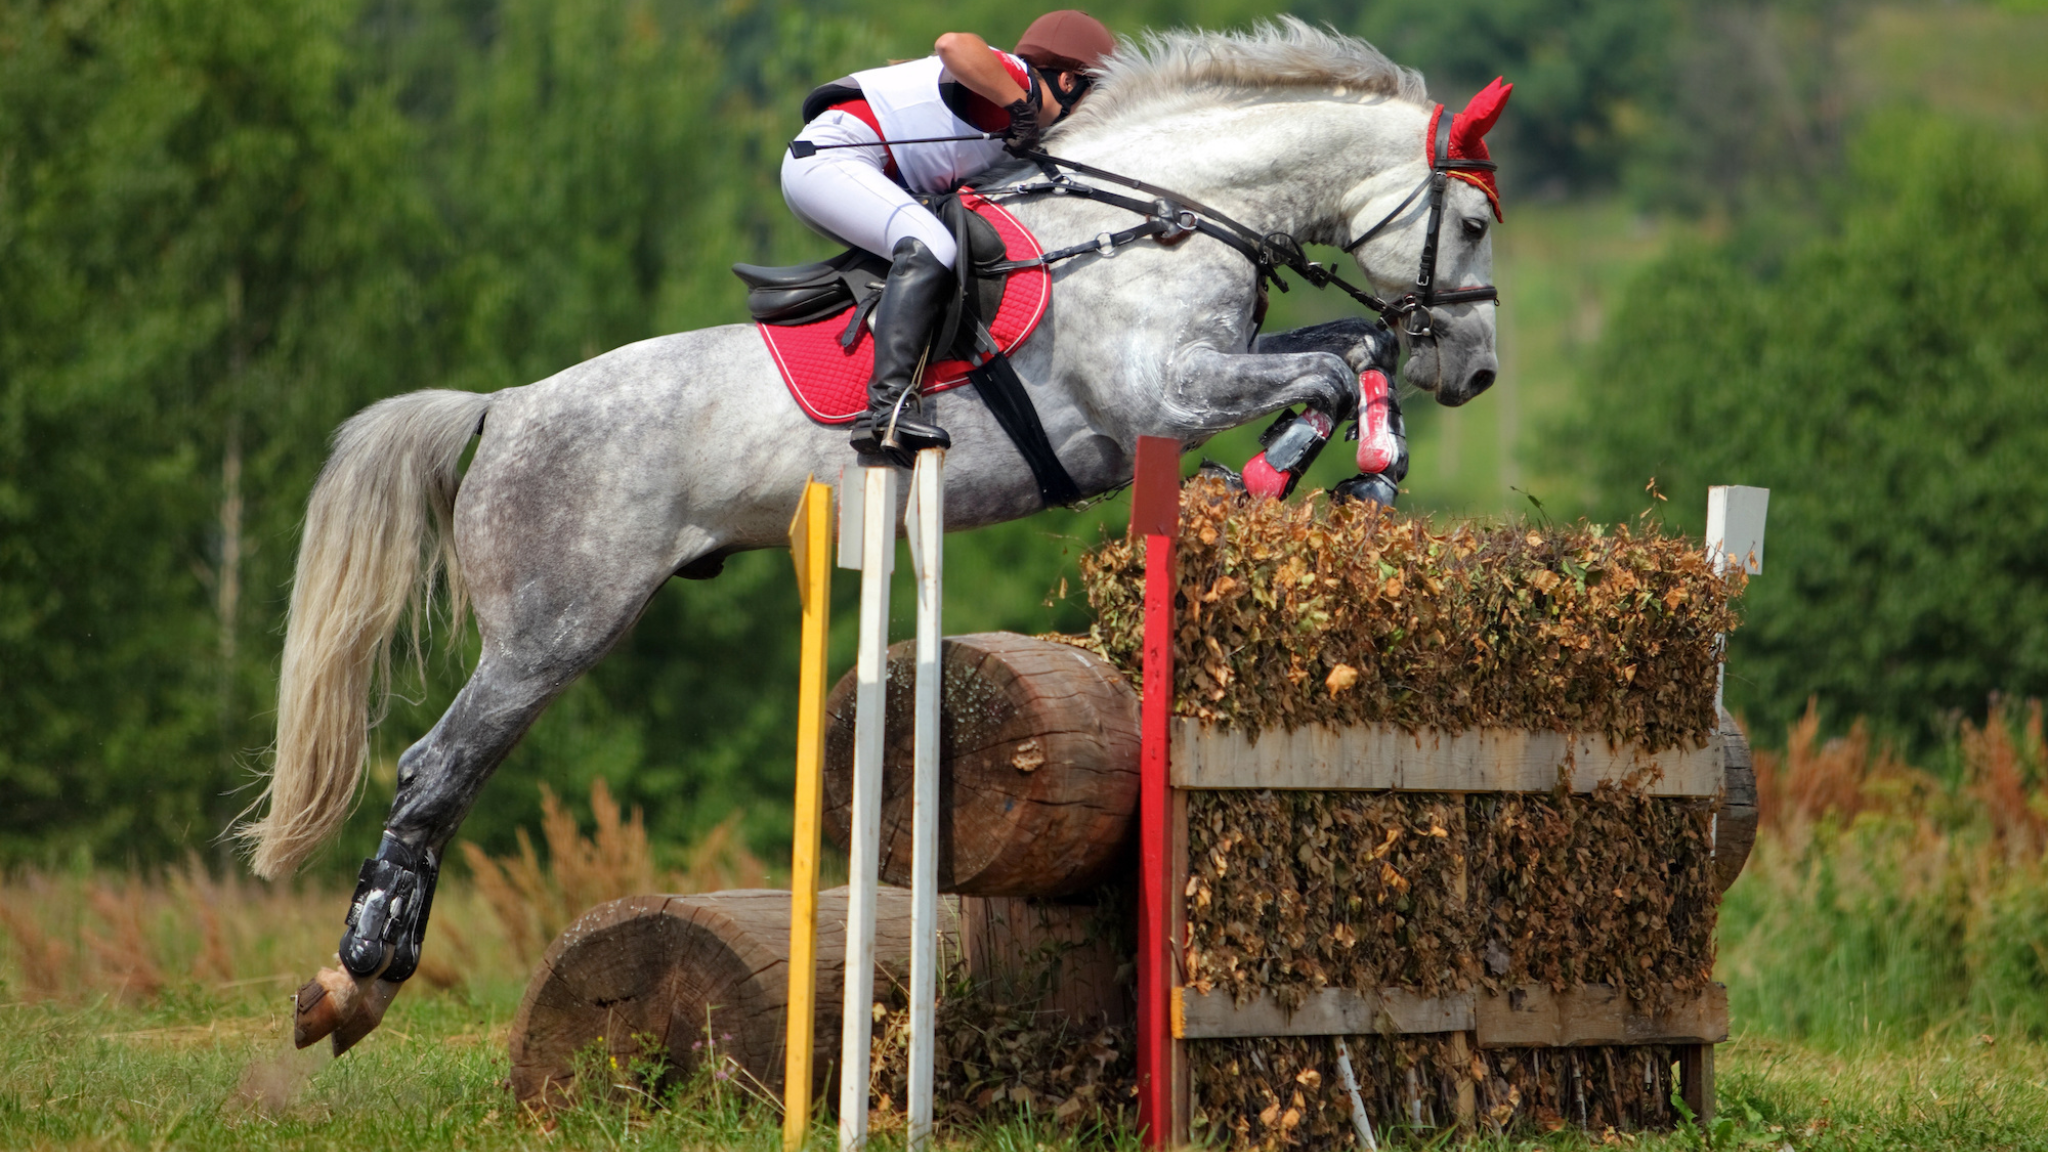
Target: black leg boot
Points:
(894, 423)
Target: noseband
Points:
(1172, 215)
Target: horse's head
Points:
(1455, 360)
(1432, 251)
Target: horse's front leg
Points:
(1337, 369)
(1371, 349)
(1213, 391)
(1363, 342)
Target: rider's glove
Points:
(1024, 130)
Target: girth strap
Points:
(997, 384)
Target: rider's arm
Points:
(972, 62)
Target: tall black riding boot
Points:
(894, 422)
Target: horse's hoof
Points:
(1367, 488)
(1211, 470)
(376, 996)
(321, 1005)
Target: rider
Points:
(861, 195)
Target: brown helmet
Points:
(1068, 40)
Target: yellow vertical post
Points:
(810, 545)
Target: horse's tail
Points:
(377, 535)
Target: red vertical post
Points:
(1155, 514)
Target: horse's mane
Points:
(1190, 68)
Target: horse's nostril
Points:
(1481, 381)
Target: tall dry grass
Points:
(533, 901)
(140, 937)
(1885, 899)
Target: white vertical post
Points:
(1735, 537)
(926, 517)
(1735, 526)
(876, 529)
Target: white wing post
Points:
(874, 527)
(1735, 536)
(926, 517)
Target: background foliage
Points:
(227, 224)
(1884, 380)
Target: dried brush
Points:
(1293, 614)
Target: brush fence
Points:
(1460, 1037)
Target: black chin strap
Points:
(1067, 100)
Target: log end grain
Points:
(1735, 823)
(1070, 959)
(677, 980)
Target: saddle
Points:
(803, 294)
(993, 309)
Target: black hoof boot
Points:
(1368, 487)
(387, 919)
(1232, 479)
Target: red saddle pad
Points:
(831, 383)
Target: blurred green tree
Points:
(202, 241)
(1885, 381)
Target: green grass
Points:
(211, 1070)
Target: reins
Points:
(1172, 214)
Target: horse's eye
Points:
(1475, 228)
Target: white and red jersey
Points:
(921, 99)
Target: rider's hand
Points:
(1024, 130)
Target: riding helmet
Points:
(1068, 40)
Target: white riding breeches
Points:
(842, 194)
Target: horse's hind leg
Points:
(522, 670)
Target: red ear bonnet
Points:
(1468, 136)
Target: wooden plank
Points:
(1735, 527)
(1385, 758)
(1597, 1014)
(1466, 1109)
(1155, 510)
(1326, 1012)
(1524, 1017)
(1178, 1068)
(878, 556)
(810, 541)
(925, 518)
(1696, 1081)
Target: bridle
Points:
(1172, 215)
(1415, 306)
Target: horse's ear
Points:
(1469, 128)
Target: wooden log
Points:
(683, 978)
(1058, 957)
(1038, 788)
(1735, 822)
